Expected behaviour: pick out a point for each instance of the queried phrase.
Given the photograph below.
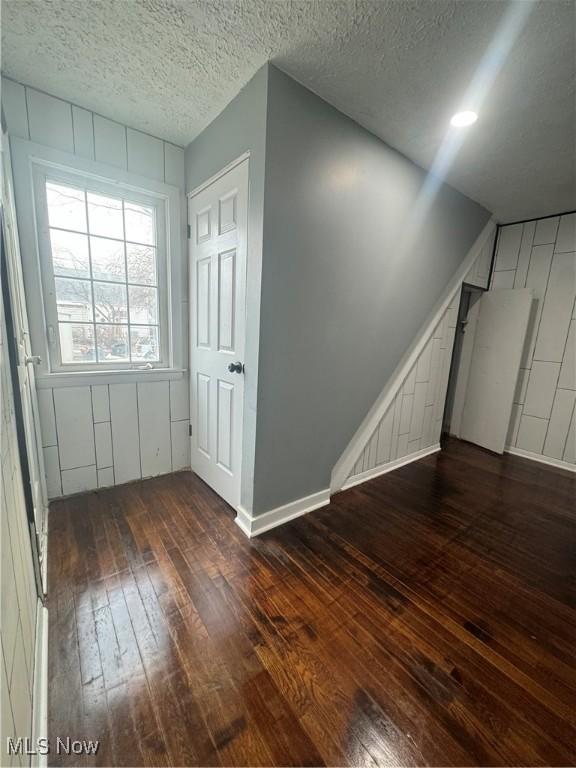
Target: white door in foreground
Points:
(501, 327)
(218, 236)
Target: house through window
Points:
(103, 272)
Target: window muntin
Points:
(106, 276)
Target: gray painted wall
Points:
(241, 127)
(340, 304)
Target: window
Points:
(104, 273)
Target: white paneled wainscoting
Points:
(105, 430)
(406, 421)
(541, 255)
(108, 434)
(411, 427)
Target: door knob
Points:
(236, 368)
(33, 360)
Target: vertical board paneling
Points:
(503, 280)
(413, 420)
(570, 447)
(567, 378)
(557, 308)
(547, 380)
(83, 128)
(103, 440)
(410, 423)
(110, 142)
(71, 128)
(74, 424)
(508, 247)
(50, 121)
(174, 165)
(531, 433)
(566, 240)
(19, 600)
(180, 399)
(180, 445)
(145, 155)
(154, 421)
(423, 365)
(557, 433)
(546, 230)
(79, 480)
(125, 436)
(385, 437)
(406, 414)
(105, 477)
(417, 419)
(541, 388)
(14, 106)
(52, 472)
(47, 417)
(100, 403)
(525, 253)
(537, 280)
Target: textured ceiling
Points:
(398, 67)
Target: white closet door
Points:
(218, 237)
(501, 327)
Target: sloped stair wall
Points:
(406, 421)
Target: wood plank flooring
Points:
(426, 617)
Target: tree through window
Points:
(104, 264)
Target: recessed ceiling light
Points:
(462, 119)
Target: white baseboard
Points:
(40, 692)
(558, 463)
(254, 526)
(382, 469)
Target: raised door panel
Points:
(203, 225)
(203, 275)
(225, 426)
(226, 300)
(227, 212)
(203, 413)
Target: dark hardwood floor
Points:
(425, 617)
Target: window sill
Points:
(81, 379)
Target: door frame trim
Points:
(222, 172)
(244, 157)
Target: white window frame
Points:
(35, 164)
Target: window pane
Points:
(66, 207)
(69, 253)
(143, 305)
(110, 303)
(140, 223)
(73, 299)
(105, 216)
(107, 259)
(144, 344)
(141, 261)
(77, 343)
(112, 343)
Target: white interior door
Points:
(499, 339)
(218, 235)
(26, 361)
